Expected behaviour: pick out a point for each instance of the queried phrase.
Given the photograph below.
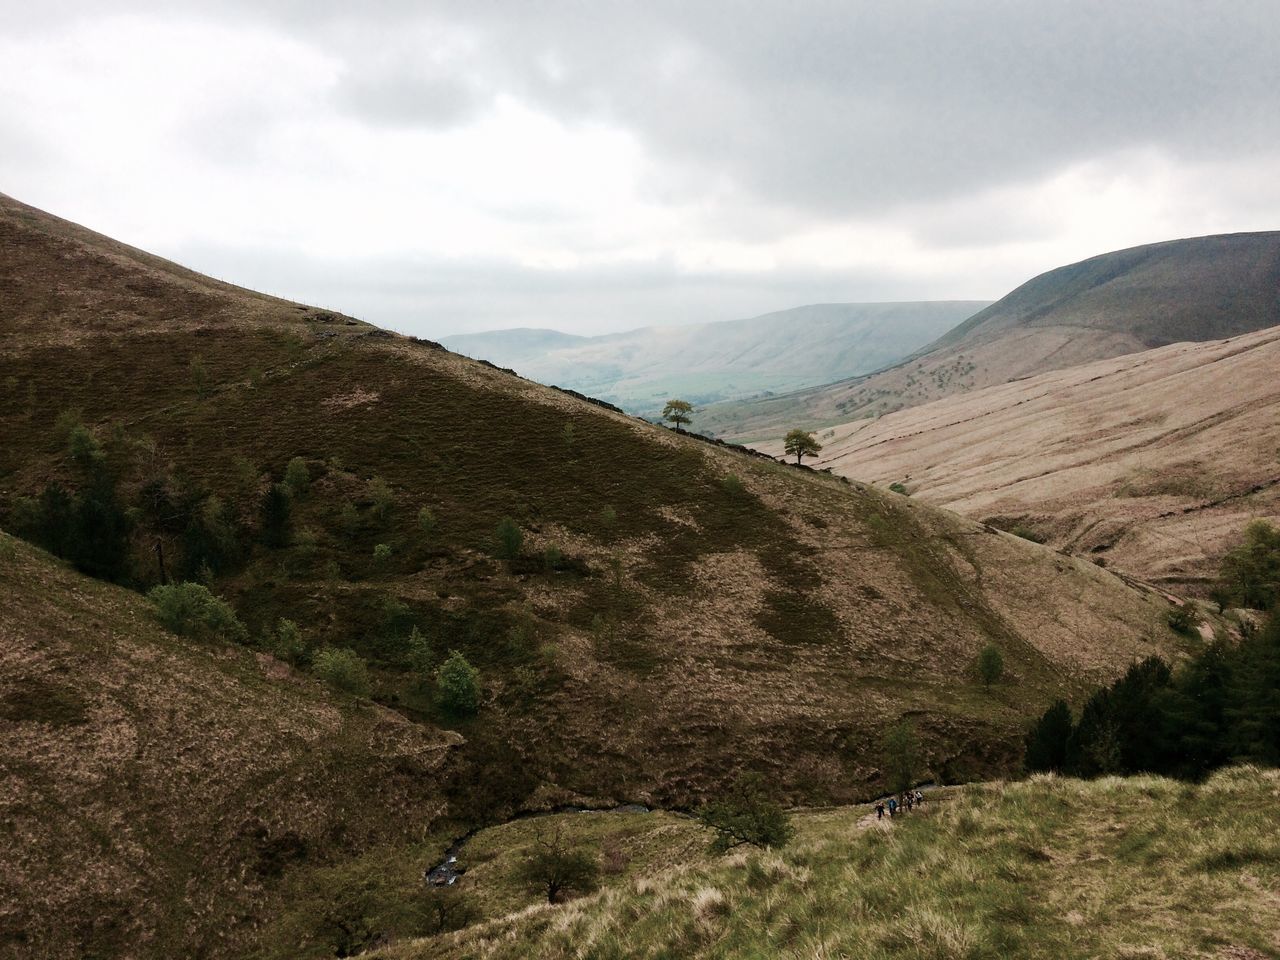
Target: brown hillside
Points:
(1194, 290)
(678, 611)
(1151, 462)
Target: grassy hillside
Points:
(1152, 463)
(641, 369)
(677, 611)
(153, 790)
(1138, 867)
(1118, 303)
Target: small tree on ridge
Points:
(801, 444)
(678, 412)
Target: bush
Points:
(189, 609)
(458, 685)
(383, 499)
(746, 815)
(899, 488)
(1183, 619)
(426, 522)
(420, 654)
(288, 643)
(1251, 572)
(297, 478)
(84, 447)
(381, 553)
(1026, 533)
(277, 515)
(732, 484)
(510, 539)
(343, 670)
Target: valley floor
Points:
(1048, 867)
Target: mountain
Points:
(649, 613)
(1118, 303)
(1152, 462)
(641, 369)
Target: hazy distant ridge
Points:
(706, 362)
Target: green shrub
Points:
(732, 484)
(1183, 619)
(84, 447)
(343, 670)
(1251, 572)
(191, 610)
(288, 643)
(381, 553)
(349, 519)
(458, 685)
(426, 522)
(419, 654)
(297, 478)
(1026, 533)
(277, 516)
(383, 499)
(899, 488)
(510, 539)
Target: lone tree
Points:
(679, 412)
(901, 756)
(747, 814)
(458, 685)
(802, 444)
(510, 539)
(990, 665)
(554, 867)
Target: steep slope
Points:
(1117, 303)
(153, 789)
(640, 369)
(677, 611)
(1151, 462)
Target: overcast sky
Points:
(440, 167)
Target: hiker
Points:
(919, 798)
(893, 808)
(908, 798)
(879, 809)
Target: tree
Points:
(746, 814)
(510, 539)
(801, 444)
(1252, 571)
(458, 685)
(383, 499)
(678, 412)
(277, 514)
(554, 867)
(1047, 740)
(343, 670)
(426, 521)
(901, 756)
(990, 665)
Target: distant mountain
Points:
(1118, 303)
(703, 363)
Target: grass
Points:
(1139, 867)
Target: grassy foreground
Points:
(1137, 867)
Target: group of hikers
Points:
(902, 803)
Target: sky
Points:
(447, 167)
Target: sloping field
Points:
(1152, 462)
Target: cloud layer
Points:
(446, 166)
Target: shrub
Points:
(899, 488)
(990, 664)
(420, 655)
(1026, 533)
(510, 539)
(732, 484)
(458, 685)
(349, 519)
(746, 814)
(83, 447)
(383, 499)
(288, 643)
(426, 521)
(297, 478)
(1251, 572)
(381, 553)
(1047, 740)
(343, 670)
(189, 609)
(1183, 619)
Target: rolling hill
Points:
(1118, 303)
(1152, 462)
(640, 370)
(671, 611)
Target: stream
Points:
(447, 872)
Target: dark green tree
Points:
(277, 516)
(901, 749)
(510, 539)
(458, 685)
(990, 665)
(554, 867)
(1047, 740)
